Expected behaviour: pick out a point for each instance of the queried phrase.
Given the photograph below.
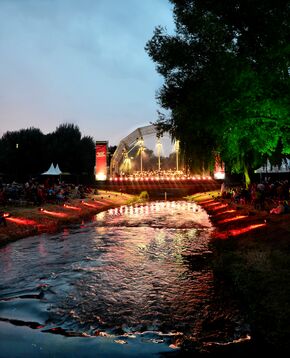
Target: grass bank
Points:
(252, 254)
(31, 220)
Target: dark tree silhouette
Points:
(28, 152)
(22, 153)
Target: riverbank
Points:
(24, 221)
(252, 256)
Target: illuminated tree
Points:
(226, 80)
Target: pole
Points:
(177, 153)
(159, 153)
(141, 163)
(141, 148)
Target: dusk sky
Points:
(81, 62)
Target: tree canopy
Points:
(226, 80)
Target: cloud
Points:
(79, 59)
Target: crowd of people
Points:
(267, 195)
(33, 192)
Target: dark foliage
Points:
(226, 80)
(28, 152)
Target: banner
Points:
(101, 160)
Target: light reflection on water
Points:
(133, 269)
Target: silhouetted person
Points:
(2, 219)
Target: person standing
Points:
(2, 218)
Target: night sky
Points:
(81, 62)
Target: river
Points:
(133, 281)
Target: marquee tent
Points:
(58, 170)
(268, 168)
(53, 170)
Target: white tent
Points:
(58, 170)
(268, 168)
(52, 170)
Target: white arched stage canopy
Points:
(126, 143)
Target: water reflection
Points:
(133, 269)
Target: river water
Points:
(130, 282)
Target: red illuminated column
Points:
(219, 168)
(101, 160)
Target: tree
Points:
(226, 80)
(22, 153)
(64, 147)
(28, 152)
(87, 153)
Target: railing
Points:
(156, 187)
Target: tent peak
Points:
(52, 170)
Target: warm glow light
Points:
(71, 207)
(236, 232)
(221, 206)
(22, 221)
(226, 212)
(219, 175)
(212, 204)
(232, 219)
(90, 205)
(246, 229)
(101, 176)
(6, 215)
(170, 176)
(53, 213)
(207, 201)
